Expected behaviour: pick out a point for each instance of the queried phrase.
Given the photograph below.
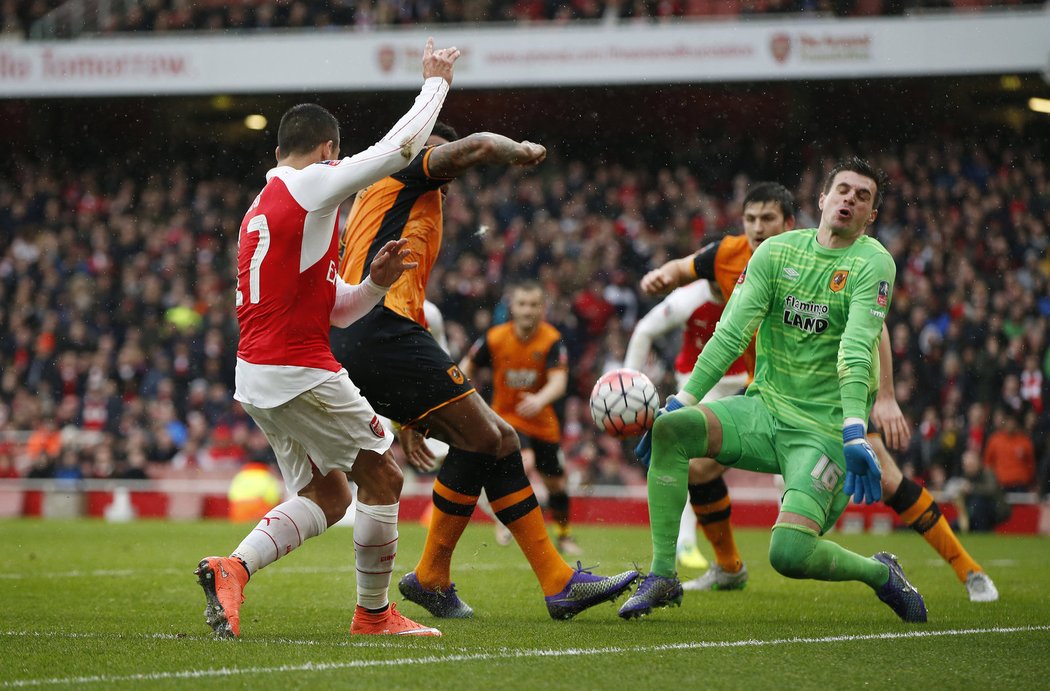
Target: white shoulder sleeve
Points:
(671, 313)
(354, 301)
(328, 184)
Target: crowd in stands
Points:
(212, 15)
(118, 337)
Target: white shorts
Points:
(326, 426)
(729, 385)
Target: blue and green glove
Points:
(644, 450)
(863, 473)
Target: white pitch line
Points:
(134, 573)
(505, 653)
(362, 642)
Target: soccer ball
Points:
(624, 403)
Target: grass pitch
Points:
(88, 605)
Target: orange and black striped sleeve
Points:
(704, 261)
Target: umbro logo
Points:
(791, 274)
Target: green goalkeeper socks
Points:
(677, 437)
(797, 552)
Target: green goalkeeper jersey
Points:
(819, 315)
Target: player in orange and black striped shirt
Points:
(407, 377)
(530, 371)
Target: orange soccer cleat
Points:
(389, 621)
(223, 580)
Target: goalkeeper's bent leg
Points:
(677, 436)
(795, 551)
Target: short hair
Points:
(445, 131)
(763, 192)
(528, 285)
(855, 164)
(304, 127)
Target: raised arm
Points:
(670, 275)
(483, 148)
(671, 313)
(328, 184)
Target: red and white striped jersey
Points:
(287, 279)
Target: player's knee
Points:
(333, 502)
(683, 433)
(392, 478)
(381, 482)
(789, 551)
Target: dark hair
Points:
(858, 165)
(762, 192)
(304, 127)
(445, 131)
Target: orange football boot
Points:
(389, 621)
(223, 580)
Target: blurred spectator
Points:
(978, 496)
(1010, 453)
(45, 441)
(68, 469)
(7, 466)
(133, 468)
(16, 19)
(94, 260)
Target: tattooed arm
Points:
(483, 148)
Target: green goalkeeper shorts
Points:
(752, 439)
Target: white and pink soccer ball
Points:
(624, 403)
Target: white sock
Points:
(687, 528)
(282, 529)
(375, 545)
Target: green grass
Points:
(90, 604)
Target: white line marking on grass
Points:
(359, 643)
(505, 653)
(991, 563)
(129, 573)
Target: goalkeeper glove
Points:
(644, 450)
(863, 474)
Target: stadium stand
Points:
(116, 330)
(50, 19)
(118, 335)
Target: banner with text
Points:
(754, 50)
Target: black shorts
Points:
(398, 366)
(550, 461)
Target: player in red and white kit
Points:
(695, 309)
(289, 293)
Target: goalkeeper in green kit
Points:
(818, 299)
